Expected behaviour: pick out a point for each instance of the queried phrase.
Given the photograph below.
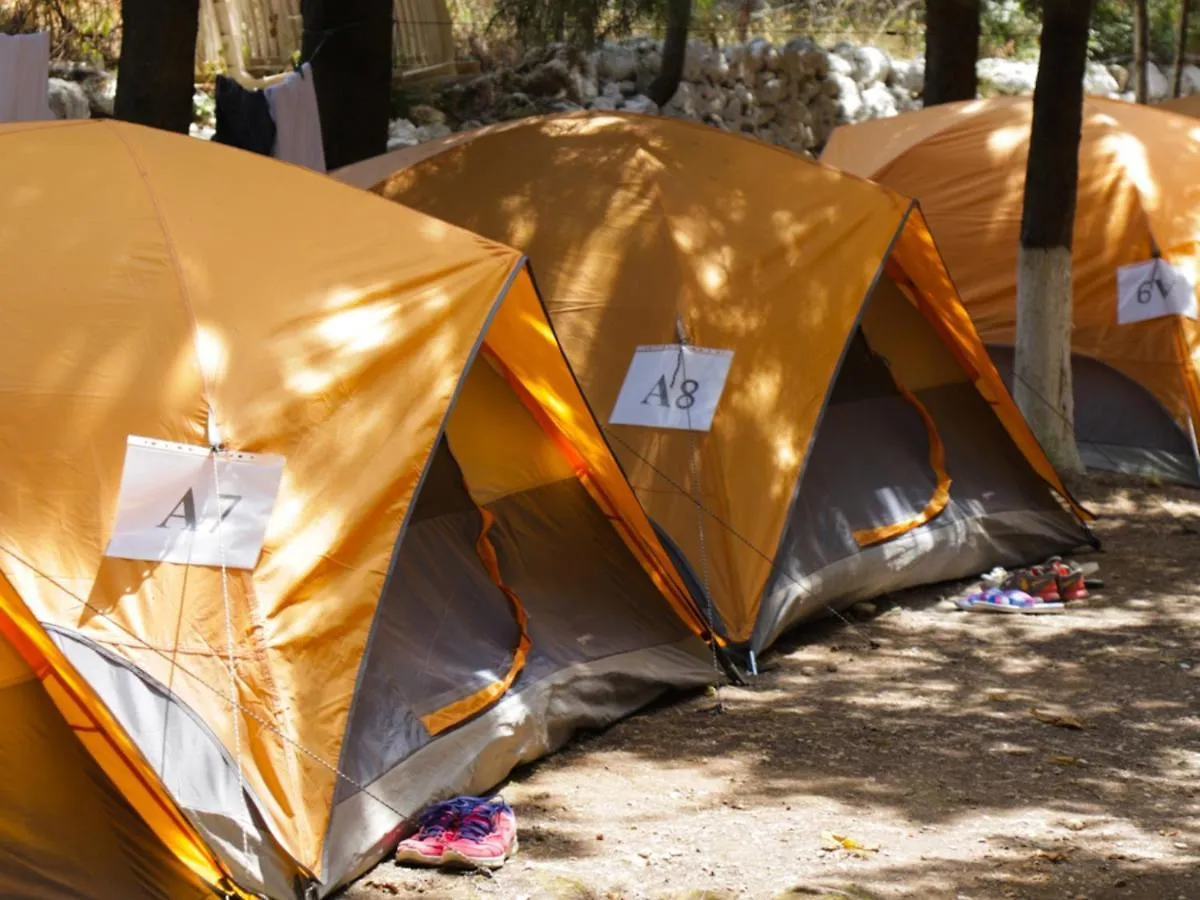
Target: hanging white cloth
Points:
(25, 77)
(293, 104)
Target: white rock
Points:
(758, 52)
(616, 62)
(627, 88)
(641, 104)
(67, 100)
(402, 133)
(1121, 74)
(1098, 81)
(101, 91)
(431, 132)
(204, 132)
(716, 69)
(839, 65)
(1191, 80)
(684, 105)
(583, 87)
(604, 103)
(423, 114)
(1157, 85)
(696, 61)
(871, 66)
(772, 91)
(878, 102)
(909, 74)
(905, 102)
(817, 63)
(1006, 76)
(611, 90)
(849, 100)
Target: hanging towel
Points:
(297, 121)
(25, 77)
(243, 118)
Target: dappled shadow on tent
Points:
(965, 163)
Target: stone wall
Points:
(792, 95)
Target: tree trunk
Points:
(158, 63)
(951, 50)
(743, 20)
(1181, 44)
(679, 16)
(349, 43)
(1141, 45)
(1042, 384)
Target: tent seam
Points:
(501, 295)
(279, 707)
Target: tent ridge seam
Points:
(518, 266)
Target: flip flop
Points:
(1011, 602)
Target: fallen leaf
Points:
(831, 842)
(1062, 721)
(1062, 759)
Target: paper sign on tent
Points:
(1153, 289)
(672, 386)
(168, 509)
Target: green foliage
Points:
(1008, 28)
(1112, 29)
(579, 22)
(80, 30)
(1111, 38)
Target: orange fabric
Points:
(941, 493)
(521, 343)
(1188, 105)
(105, 740)
(336, 338)
(454, 713)
(1139, 189)
(918, 271)
(630, 232)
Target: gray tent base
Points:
(1119, 425)
(870, 466)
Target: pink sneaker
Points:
(435, 829)
(485, 837)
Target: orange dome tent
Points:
(1188, 105)
(863, 440)
(305, 523)
(1137, 393)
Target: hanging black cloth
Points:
(243, 118)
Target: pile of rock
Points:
(793, 95)
(80, 91)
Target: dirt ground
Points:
(927, 748)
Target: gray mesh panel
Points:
(586, 595)
(1120, 426)
(443, 630)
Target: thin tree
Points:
(1042, 386)
(742, 27)
(1141, 46)
(951, 50)
(158, 62)
(349, 43)
(679, 17)
(1181, 44)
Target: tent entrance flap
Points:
(941, 494)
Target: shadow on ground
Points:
(983, 756)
